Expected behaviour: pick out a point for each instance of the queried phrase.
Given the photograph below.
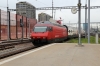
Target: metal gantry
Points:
(66, 7)
(83, 23)
(57, 8)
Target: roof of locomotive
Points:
(48, 23)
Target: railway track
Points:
(17, 49)
(8, 48)
(11, 44)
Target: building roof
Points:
(25, 2)
(45, 14)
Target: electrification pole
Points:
(29, 28)
(8, 22)
(79, 20)
(52, 8)
(54, 14)
(88, 21)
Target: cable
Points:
(86, 2)
(42, 2)
(3, 7)
(54, 14)
(62, 13)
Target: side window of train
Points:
(69, 31)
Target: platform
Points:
(57, 54)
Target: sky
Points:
(65, 14)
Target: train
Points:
(51, 32)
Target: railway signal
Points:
(21, 23)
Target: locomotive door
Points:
(66, 29)
(50, 33)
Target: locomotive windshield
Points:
(40, 29)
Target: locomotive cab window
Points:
(40, 29)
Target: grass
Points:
(84, 40)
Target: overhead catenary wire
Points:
(44, 4)
(63, 14)
(86, 2)
(3, 7)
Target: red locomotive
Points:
(48, 32)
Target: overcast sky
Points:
(66, 15)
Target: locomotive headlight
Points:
(33, 37)
(38, 37)
(44, 37)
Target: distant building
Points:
(44, 17)
(26, 9)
